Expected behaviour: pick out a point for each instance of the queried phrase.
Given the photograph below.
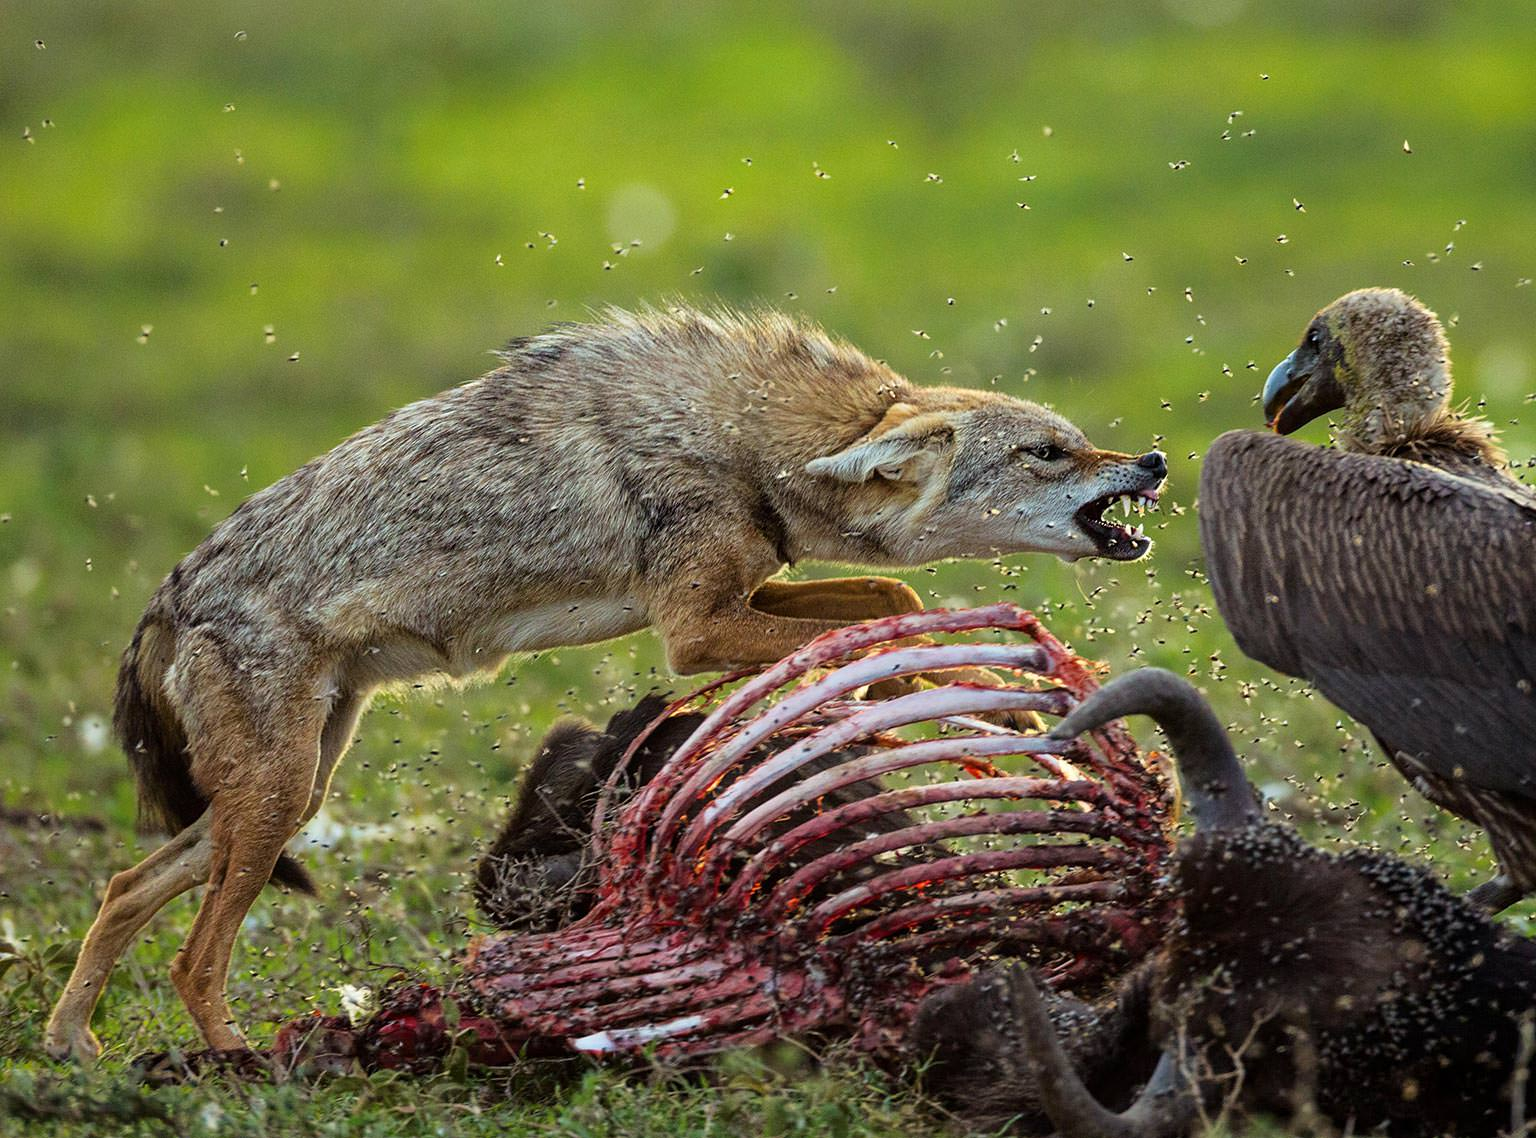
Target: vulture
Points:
(1396, 572)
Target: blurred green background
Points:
(232, 234)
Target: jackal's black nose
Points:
(1155, 461)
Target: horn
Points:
(1166, 1106)
(1219, 794)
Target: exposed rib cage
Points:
(709, 930)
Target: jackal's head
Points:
(982, 474)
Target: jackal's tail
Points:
(151, 734)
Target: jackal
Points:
(651, 469)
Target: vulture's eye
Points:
(1049, 452)
(1314, 337)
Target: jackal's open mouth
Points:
(1120, 542)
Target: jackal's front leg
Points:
(851, 599)
(717, 633)
(707, 631)
(846, 599)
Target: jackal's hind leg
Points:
(133, 897)
(260, 763)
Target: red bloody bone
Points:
(709, 933)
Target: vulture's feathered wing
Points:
(1406, 595)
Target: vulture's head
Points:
(1376, 354)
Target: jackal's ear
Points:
(902, 447)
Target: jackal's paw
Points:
(79, 1044)
(1028, 722)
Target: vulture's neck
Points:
(1404, 411)
(1460, 444)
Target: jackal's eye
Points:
(1048, 452)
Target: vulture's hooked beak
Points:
(1298, 391)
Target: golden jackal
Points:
(647, 469)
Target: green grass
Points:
(393, 190)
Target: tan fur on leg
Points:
(837, 598)
(133, 897)
(256, 752)
(248, 832)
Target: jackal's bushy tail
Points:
(151, 734)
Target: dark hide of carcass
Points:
(537, 875)
(1294, 982)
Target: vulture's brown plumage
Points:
(1397, 574)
